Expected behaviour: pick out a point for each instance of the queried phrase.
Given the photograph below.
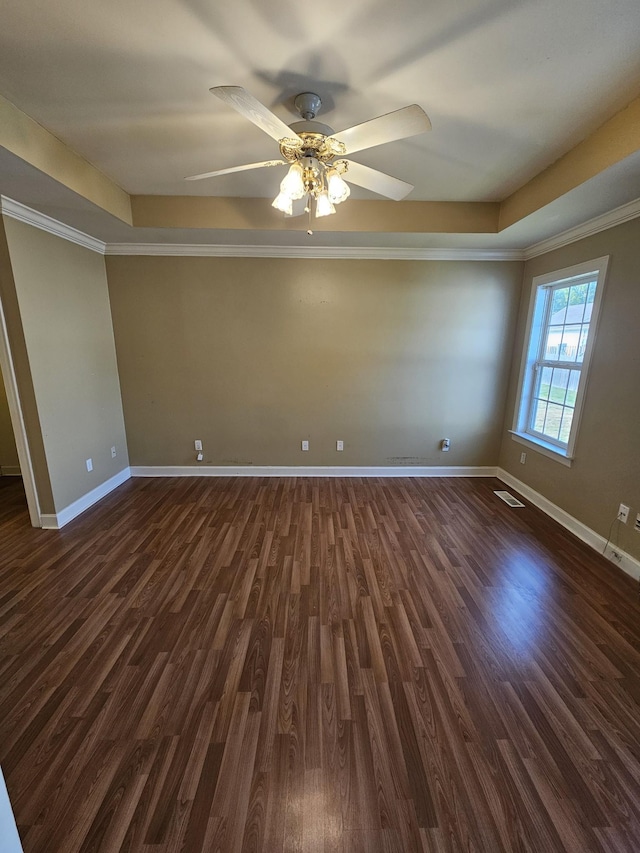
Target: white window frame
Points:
(537, 321)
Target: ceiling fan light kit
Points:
(309, 177)
(311, 149)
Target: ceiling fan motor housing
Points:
(317, 141)
(311, 127)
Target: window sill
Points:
(542, 447)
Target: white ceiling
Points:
(509, 85)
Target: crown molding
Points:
(23, 213)
(198, 250)
(19, 211)
(621, 214)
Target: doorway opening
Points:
(15, 459)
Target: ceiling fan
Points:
(318, 173)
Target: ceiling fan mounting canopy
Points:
(308, 105)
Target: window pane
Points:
(565, 427)
(552, 343)
(538, 415)
(559, 306)
(582, 345)
(559, 384)
(546, 375)
(572, 387)
(552, 421)
(577, 302)
(570, 341)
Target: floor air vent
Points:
(508, 498)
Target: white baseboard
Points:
(309, 471)
(10, 471)
(626, 562)
(54, 521)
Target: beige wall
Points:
(606, 470)
(8, 451)
(254, 355)
(62, 297)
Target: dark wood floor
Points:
(316, 665)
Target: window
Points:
(559, 339)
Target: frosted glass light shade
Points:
(337, 188)
(292, 183)
(283, 202)
(324, 207)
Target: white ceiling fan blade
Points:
(408, 121)
(245, 168)
(376, 181)
(251, 108)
